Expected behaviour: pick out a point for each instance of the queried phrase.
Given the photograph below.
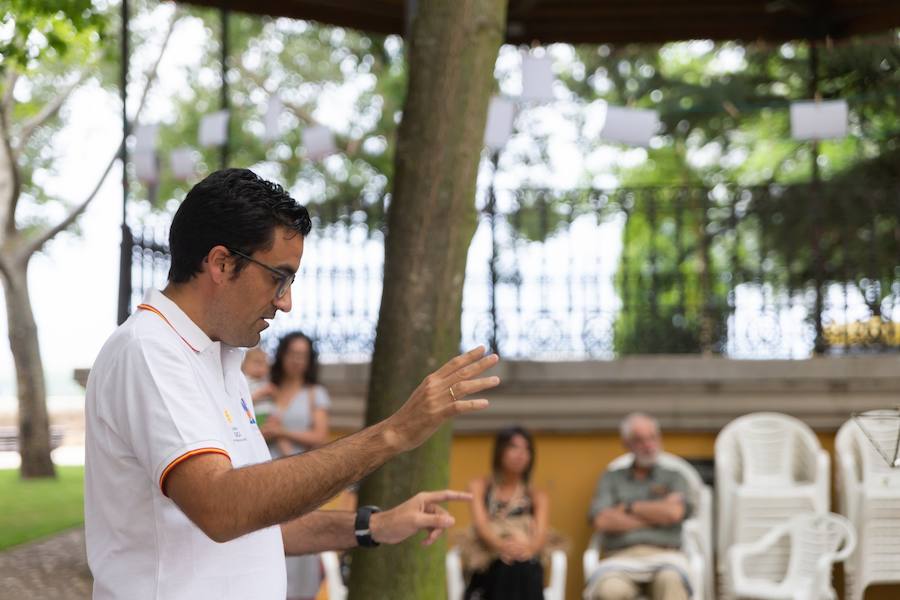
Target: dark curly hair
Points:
(234, 208)
(311, 376)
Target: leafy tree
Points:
(51, 49)
(724, 114)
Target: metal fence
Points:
(748, 272)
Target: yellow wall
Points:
(567, 468)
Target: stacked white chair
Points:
(769, 468)
(868, 493)
(555, 590)
(334, 583)
(816, 542)
(696, 532)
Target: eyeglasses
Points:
(284, 279)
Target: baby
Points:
(256, 370)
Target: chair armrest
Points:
(556, 590)
(740, 552)
(455, 581)
(591, 557)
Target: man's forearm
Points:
(275, 492)
(616, 520)
(659, 512)
(319, 531)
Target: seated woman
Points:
(510, 521)
(298, 422)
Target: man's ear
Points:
(219, 263)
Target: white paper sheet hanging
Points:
(273, 118)
(501, 113)
(318, 141)
(537, 78)
(811, 120)
(214, 129)
(146, 167)
(184, 163)
(145, 136)
(633, 126)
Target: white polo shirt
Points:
(159, 392)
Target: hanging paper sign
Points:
(145, 138)
(318, 141)
(272, 118)
(631, 126)
(537, 78)
(214, 129)
(146, 167)
(184, 163)
(500, 117)
(811, 120)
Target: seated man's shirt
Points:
(619, 486)
(160, 392)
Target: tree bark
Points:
(431, 220)
(34, 424)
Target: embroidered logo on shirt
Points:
(228, 416)
(249, 414)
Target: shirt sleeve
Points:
(679, 484)
(161, 411)
(321, 399)
(604, 496)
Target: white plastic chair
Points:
(334, 583)
(816, 541)
(769, 467)
(555, 590)
(868, 494)
(696, 532)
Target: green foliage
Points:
(32, 509)
(724, 109)
(306, 64)
(33, 32)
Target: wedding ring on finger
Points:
(452, 394)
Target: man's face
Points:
(248, 300)
(644, 442)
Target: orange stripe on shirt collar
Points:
(153, 309)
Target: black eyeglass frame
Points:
(285, 280)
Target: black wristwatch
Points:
(361, 527)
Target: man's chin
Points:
(645, 462)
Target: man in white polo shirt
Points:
(182, 499)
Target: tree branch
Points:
(48, 234)
(8, 86)
(50, 110)
(9, 190)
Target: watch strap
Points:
(361, 527)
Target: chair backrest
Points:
(769, 447)
(882, 429)
(816, 538)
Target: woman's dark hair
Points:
(234, 208)
(503, 440)
(311, 376)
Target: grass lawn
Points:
(34, 509)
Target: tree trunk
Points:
(431, 221)
(34, 424)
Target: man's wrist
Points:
(362, 527)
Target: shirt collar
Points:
(189, 331)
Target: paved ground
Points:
(54, 568)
